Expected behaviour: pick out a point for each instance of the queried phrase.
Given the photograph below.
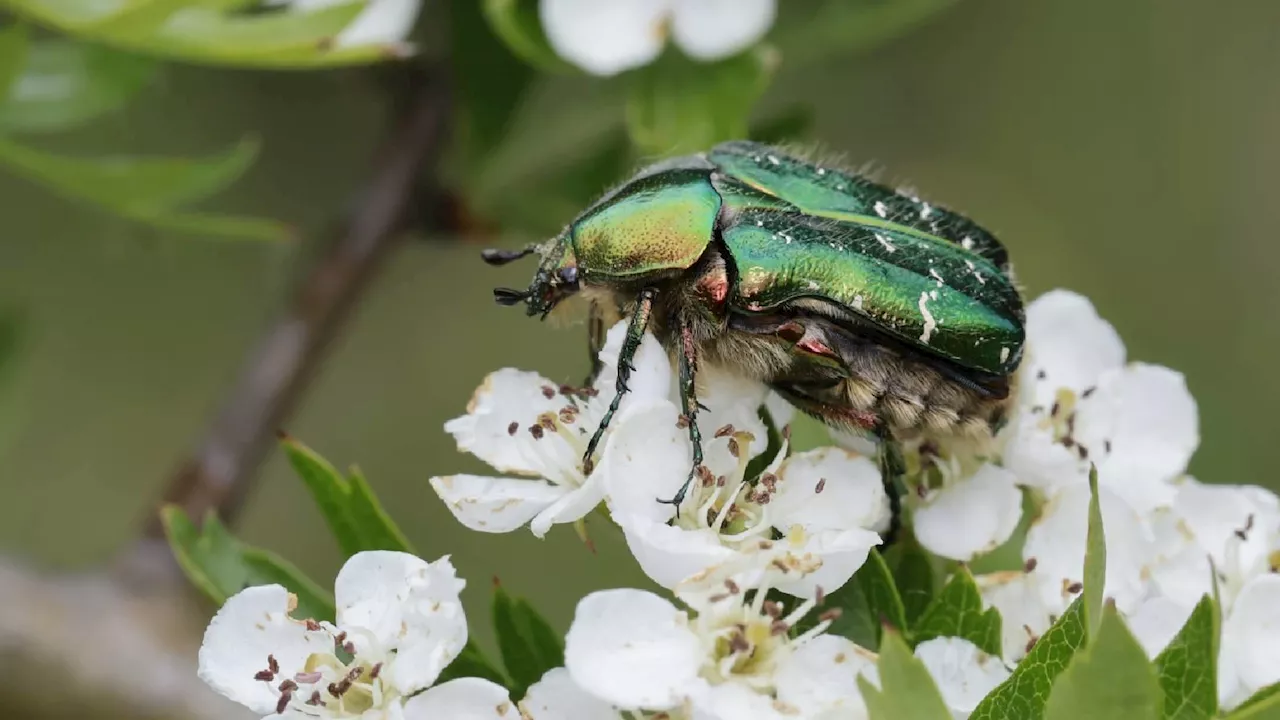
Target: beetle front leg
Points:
(635, 333)
(893, 470)
(689, 407)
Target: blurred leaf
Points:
(957, 612)
(842, 27)
(1095, 558)
(348, 504)
(680, 106)
(793, 124)
(528, 645)
(62, 83)
(471, 662)
(221, 566)
(490, 80)
(1188, 666)
(212, 32)
(15, 42)
(145, 189)
(867, 602)
(518, 24)
(907, 691)
(1023, 695)
(11, 338)
(1262, 705)
(913, 576)
(1110, 679)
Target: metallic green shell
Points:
(840, 195)
(925, 291)
(661, 221)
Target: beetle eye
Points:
(569, 276)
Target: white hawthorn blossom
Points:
(399, 623)
(828, 504)
(726, 658)
(968, 516)
(382, 22)
(963, 672)
(606, 38)
(536, 432)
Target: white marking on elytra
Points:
(881, 210)
(1004, 354)
(857, 302)
(759, 223)
(811, 285)
(929, 323)
(924, 211)
(936, 277)
(822, 171)
(885, 242)
(977, 275)
(966, 242)
(773, 160)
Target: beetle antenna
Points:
(502, 257)
(509, 296)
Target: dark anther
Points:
(819, 595)
(772, 608)
(732, 586)
(502, 257)
(509, 296)
(512, 428)
(548, 392)
(734, 450)
(272, 664)
(375, 671)
(832, 614)
(312, 625)
(309, 678)
(1075, 587)
(315, 699)
(822, 482)
(349, 648)
(283, 703)
(264, 675)
(355, 673)
(1088, 391)
(724, 431)
(536, 431)
(777, 627)
(288, 686)
(1030, 564)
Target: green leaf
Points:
(1262, 705)
(62, 83)
(528, 645)
(144, 189)
(1023, 695)
(490, 81)
(15, 41)
(907, 691)
(518, 24)
(913, 576)
(1095, 558)
(220, 566)
(471, 662)
(348, 504)
(1111, 679)
(843, 27)
(1188, 666)
(867, 602)
(957, 612)
(680, 106)
(773, 445)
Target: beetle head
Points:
(556, 278)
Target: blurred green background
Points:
(1127, 150)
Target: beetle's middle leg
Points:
(596, 333)
(630, 345)
(688, 406)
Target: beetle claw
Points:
(509, 296)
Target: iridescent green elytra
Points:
(863, 306)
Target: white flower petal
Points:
(1156, 621)
(1186, 577)
(1217, 516)
(645, 459)
(841, 553)
(605, 38)
(1032, 455)
(852, 493)
(1068, 346)
(1023, 614)
(1056, 540)
(780, 411)
(251, 625)
(514, 396)
(496, 505)
(1251, 634)
(858, 442)
(407, 604)
(557, 697)
(970, 517)
(822, 676)
(964, 673)
(712, 29)
(1141, 426)
(571, 506)
(669, 554)
(382, 22)
(733, 701)
(462, 699)
(651, 376)
(632, 649)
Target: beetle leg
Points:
(635, 333)
(893, 470)
(689, 405)
(595, 342)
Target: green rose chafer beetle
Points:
(863, 306)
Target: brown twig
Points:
(219, 474)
